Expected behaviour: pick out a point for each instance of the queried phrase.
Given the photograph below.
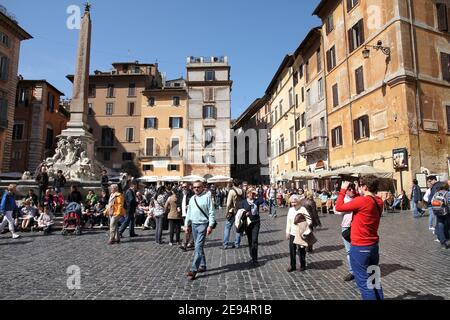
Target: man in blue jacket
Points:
(130, 207)
(416, 197)
(7, 207)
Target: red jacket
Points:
(366, 218)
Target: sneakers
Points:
(191, 275)
(431, 228)
(170, 244)
(15, 236)
(349, 277)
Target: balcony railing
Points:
(315, 144)
(160, 153)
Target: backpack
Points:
(239, 199)
(440, 203)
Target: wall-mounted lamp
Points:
(379, 46)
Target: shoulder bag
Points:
(203, 212)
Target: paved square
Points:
(35, 267)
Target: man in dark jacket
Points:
(59, 182)
(130, 207)
(75, 195)
(42, 180)
(416, 196)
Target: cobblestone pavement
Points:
(35, 267)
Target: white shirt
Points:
(291, 228)
(184, 205)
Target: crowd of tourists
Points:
(191, 210)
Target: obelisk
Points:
(77, 126)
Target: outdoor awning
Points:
(170, 179)
(148, 179)
(300, 175)
(193, 179)
(358, 171)
(220, 179)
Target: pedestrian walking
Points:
(441, 209)
(7, 207)
(234, 203)
(130, 205)
(200, 221)
(251, 207)
(416, 197)
(364, 252)
(116, 211)
(175, 218)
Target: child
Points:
(45, 221)
(28, 213)
(149, 222)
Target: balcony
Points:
(160, 153)
(316, 144)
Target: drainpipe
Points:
(416, 72)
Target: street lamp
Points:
(379, 46)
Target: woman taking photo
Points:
(251, 207)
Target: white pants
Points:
(8, 219)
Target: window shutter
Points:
(447, 109)
(156, 123)
(445, 62)
(361, 31)
(204, 112)
(367, 126)
(356, 129)
(349, 5)
(181, 123)
(145, 123)
(333, 137)
(329, 60)
(214, 112)
(335, 96)
(359, 80)
(442, 16)
(350, 41)
(171, 123)
(340, 135)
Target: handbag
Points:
(203, 212)
(346, 234)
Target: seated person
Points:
(401, 202)
(150, 221)
(59, 201)
(48, 200)
(98, 217)
(389, 200)
(45, 220)
(140, 210)
(91, 200)
(32, 197)
(29, 214)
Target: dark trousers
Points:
(42, 190)
(252, 232)
(293, 254)
(175, 229)
(129, 221)
(443, 228)
(159, 229)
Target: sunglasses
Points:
(197, 187)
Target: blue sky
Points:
(255, 35)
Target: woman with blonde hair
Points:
(116, 211)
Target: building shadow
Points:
(387, 269)
(329, 249)
(416, 295)
(324, 265)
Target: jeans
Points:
(347, 245)
(432, 218)
(226, 233)
(199, 233)
(159, 229)
(113, 229)
(415, 209)
(293, 254)
(8, 220)
(442, 228)
(361, 258)
(272, 208)
(252, 232)
(129, 220)
(175, 229)
(396, 203)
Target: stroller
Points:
(72, 219)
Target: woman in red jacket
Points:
(364, 252)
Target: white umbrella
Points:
(170, 179)
(148, 179)
(358, 171)
(219, 179)
(193, 179)
(300, 175)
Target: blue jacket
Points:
(416, 194)
(8, 203)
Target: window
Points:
(291, 97)
(151, 101)
(447, 111)
(137, 70)
(356, 35)
(108, 137)
(17, 155)
(150, 147)
(303, 120)
(335, 95)
(130, 108)
(176, 101)
(175, 148)
(281, 108)
(18, 131)
(92, 90)
(336, 137)
(322, 127)
(3, 112)
(4, 68)
(90, 110)
(110, 91)
(150, 123)
(23, 95)
(281, 144)
(351, 4)
(209, 159)
(329, 24)
(109, 109)
(331, 58)
(300, 70)
(4, 39)
(210, 75)
(359, 78)
(445, 63)
(295, 78)
(106, 155)
(442, 16)
(308, 97)
(319, 61)
(51, 102)
(309, 132)
(276, 114)
(307, 71)
(209, 112)
(361, 128)
(303, 94)
(147, 167)
(321, 88)
(49, 139)
(209, 137)
(127, 156)
(132, 90)
(209, 94)
(176, 122)
(292, 136)
(129, 134)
